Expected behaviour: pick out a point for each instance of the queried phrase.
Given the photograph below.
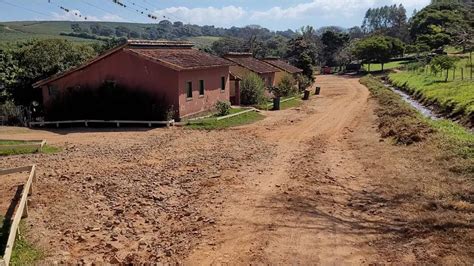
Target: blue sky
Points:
(276, 15)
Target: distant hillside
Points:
(91, 31)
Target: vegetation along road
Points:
(312, 184)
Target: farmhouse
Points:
(284, 67)
(246, 63)
(190, 81)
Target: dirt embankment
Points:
(309, 185)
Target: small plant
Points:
(223, 108)
(443, 62)
(303, 82)
(252, 89)
(285, 87)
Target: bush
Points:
(285, 87)
(108, 102)
(252, 89)
(12, 114)
(223, 108)
(303, 82)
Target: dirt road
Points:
(267, 220)
(309, 185)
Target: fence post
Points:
(462, 73)
(454, 73)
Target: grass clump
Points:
(212, 123)
(47, 149)
(24, 253)
(396, 118)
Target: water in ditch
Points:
(417, 105)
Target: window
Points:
(52, 90)
(201, 87)
(223, 83)
(189, 89)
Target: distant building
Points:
(245, 63)
(284, 67)
(190, 80)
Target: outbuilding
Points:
(284, 67)
(245, 63)
(189, 80)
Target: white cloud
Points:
(224, 16)
(111, 17)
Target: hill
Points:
(91, 31)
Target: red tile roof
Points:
(177, 55)
(180, 58)
(246, 60)
(283, 65)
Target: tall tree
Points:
(378, 49)
(436, 24)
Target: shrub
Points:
(285, 87)
(12, 114)
(223, 108)
(303, 82)
(252, 89)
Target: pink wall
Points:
(212, 93)
(148, 76)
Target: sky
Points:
(275, 15)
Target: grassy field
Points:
(203, 41)
(452, 97)
(212, 122)
(26, 30)
(390, 65)
(47, 149)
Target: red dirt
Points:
(309, 185)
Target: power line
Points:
(155, 7)
(25, 8)
(106, 12)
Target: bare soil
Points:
(308, 185)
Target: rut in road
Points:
(283, 216)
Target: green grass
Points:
(203, 41)
(452, 97)
(387, 66)
(291, 103)
(400, 120)
(24, 253)
(212, 123)
(47, 149)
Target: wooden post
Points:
(462, 73)
(454, 73)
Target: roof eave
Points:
(72, 70)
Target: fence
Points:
(21, 211)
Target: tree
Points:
(333, 43)
(35, 60)
(443, 62)
(386, 20)
(378, 49)
(252, 89)
(228, 44)
(302, 52)
(435, 24)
